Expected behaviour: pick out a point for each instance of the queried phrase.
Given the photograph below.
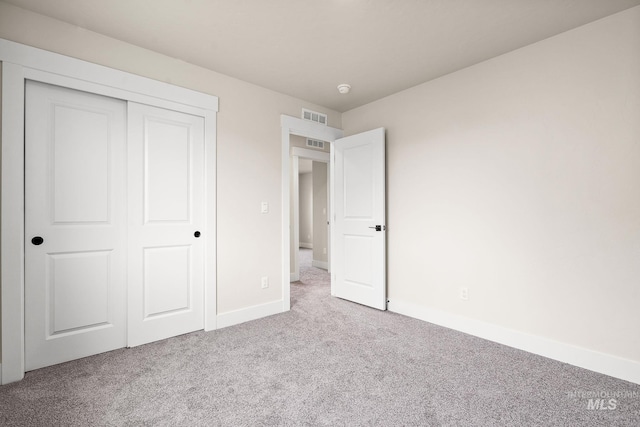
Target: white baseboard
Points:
(250, 313)
(306, 245)
(320, 264)
(294, 277)
(625, 369)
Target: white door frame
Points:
(295, 126)
(298, 153)
(21, 63)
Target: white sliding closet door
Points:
(75, 224)
(114, 224)
(166, 203)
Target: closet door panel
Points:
(166, 217)
(75, 224)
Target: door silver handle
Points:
(379, 227)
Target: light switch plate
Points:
(264, 207)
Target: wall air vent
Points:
(314, 116)
(314, 143)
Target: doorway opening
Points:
(292, 126)
(309, 207)
(313, 282)
(357, 211)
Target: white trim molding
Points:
(250, 313)
(318, 156)
(294, 199)
(113, 79)
(602, 363)
(21, 63)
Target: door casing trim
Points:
(21, 63)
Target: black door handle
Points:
(37, 240)
(379, 227)
(197, 234)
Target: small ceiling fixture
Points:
(344, 88)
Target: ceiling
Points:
(305, 48)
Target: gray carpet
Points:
(326, 362)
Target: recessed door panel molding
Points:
(78, 291)
(81, 165)
(359, 256)
(75, 224)
(168, 176)
(167, 281)
(358, 197)
(358, 263)
(166, 203)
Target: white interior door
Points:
(166, 219)
(75, 216)
(359, 245)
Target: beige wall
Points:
(320, 209)
(297, 141)
(518, 178)
(248, 150)
(305, 210)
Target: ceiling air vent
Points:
(314, 143)
(314, 116)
